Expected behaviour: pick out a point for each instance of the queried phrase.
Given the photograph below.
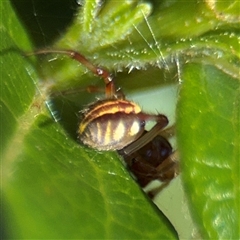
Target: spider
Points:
(154, 161)
(116, 123)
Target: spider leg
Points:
(110, 89)
(166, 171)
(162, 122)
(169, 168)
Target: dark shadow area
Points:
(6, 228)
(45, 21)
(66, 111)
(67, 115)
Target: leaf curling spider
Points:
(115, 123)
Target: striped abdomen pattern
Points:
(111, 124)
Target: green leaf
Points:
(52, 187)
(16, 92)
(208, 139)
(51, 182)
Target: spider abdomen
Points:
(111, 124)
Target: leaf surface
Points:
(52, 186)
